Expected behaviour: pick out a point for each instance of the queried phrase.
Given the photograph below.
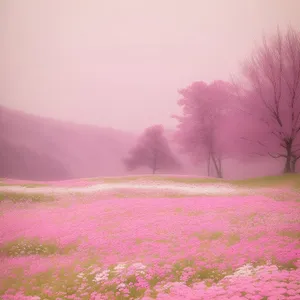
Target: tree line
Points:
(255, 114)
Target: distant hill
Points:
(37, 148)
(33, 147)
(17, 161)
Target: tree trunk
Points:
(208, 165)
(293, 163)
(287, 167)
(219, 172)
(293, 166)
(218, 168)
(154, 166)
(154, 169)
(288, 161)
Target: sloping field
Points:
(150, 237)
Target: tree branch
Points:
(277, 156)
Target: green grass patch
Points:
(215, 235)
(163, 241)
(288, 265)
(27, 185)
(292, 180)
(33, 185)
(253, 215)
(139, 241)
(209, 275)
(191, 180)
(178, 267)
(212, 275)
(233, 239)
(25, 247)
(20, 197)
(256, 236)
(63, 281)
(266, 181)
(179, 210)
(7, 184)
(156, 178)
(195, 213)
(291, 234)
(154, 281)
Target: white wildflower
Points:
(97, 269)
(121, 286)
(102, 276)
(266, 269)
(139, 266)
(249, 270)
(167, 286)
(246, 270)
(120, 267)
(80, 275)
(176, 284)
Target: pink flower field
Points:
(92, 247)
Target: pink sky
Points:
(120, 63)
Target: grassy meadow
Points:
(145, 244)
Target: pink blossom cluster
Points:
(197, 248)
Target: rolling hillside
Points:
(33, 147)
(37, 148)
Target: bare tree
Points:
(273, 72)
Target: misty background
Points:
(117, 65)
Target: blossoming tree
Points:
(204, 125)
(152, 150)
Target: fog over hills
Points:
(38, 148)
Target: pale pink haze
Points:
(120, 63)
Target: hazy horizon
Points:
(120, 63)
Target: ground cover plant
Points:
(134, 245)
